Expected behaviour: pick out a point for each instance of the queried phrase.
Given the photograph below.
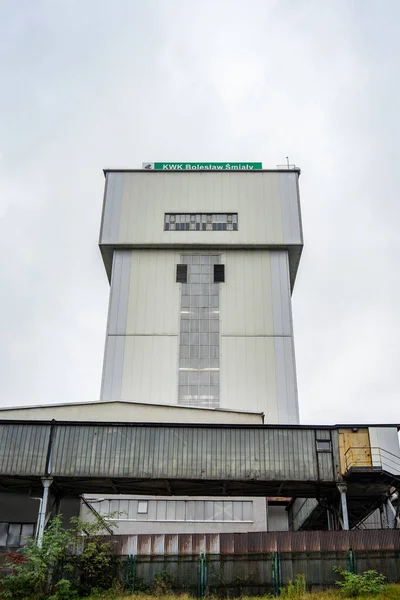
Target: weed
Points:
(369, 583)
(295, 589)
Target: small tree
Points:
(33, 575)
(75, 558)
(369, 583)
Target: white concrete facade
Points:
(256, 350)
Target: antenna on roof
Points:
(288, 165)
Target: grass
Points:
(391, 592)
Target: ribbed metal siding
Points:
(268, 211)
(23, 449)
(185, 453)
(325, 459)
(240, 543)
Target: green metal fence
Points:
(231, 575)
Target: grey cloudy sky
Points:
(90, 84)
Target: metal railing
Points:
(372, 457)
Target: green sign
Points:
(220, 166)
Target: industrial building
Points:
(197, 427)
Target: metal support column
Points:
(383, 513)
(395, 512)
(342, 487)
(46, 481)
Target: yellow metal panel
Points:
(354, 448)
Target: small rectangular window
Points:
(142, 507)
(324, 446)
(181, 273)
(219, 273)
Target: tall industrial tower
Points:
(202, 260)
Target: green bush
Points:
(63, 590)
(295, 589)
(369, 583)
(68, 562)
(163, 583)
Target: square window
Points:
(214, 339)
(142, 507)
(214, 377)
(193, 377)
(194, 326)
(194, 277)
(204, 325)
(214, 326)
(14, 535)
(3, 534)
(214, 302)
(183, 377)
(324, 446)
(184, 351)
(194, 339)
(184, 339)
(205, 339)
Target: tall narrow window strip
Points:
(199, 377)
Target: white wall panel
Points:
(154, 299)
(291, 220)
(112, 208)
(286, 383)
(246, 295)
(119, 292)
(150, 371)
(248, 375)
(111, 384)
(281, 293)
(261, 200)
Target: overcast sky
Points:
(91, 84)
